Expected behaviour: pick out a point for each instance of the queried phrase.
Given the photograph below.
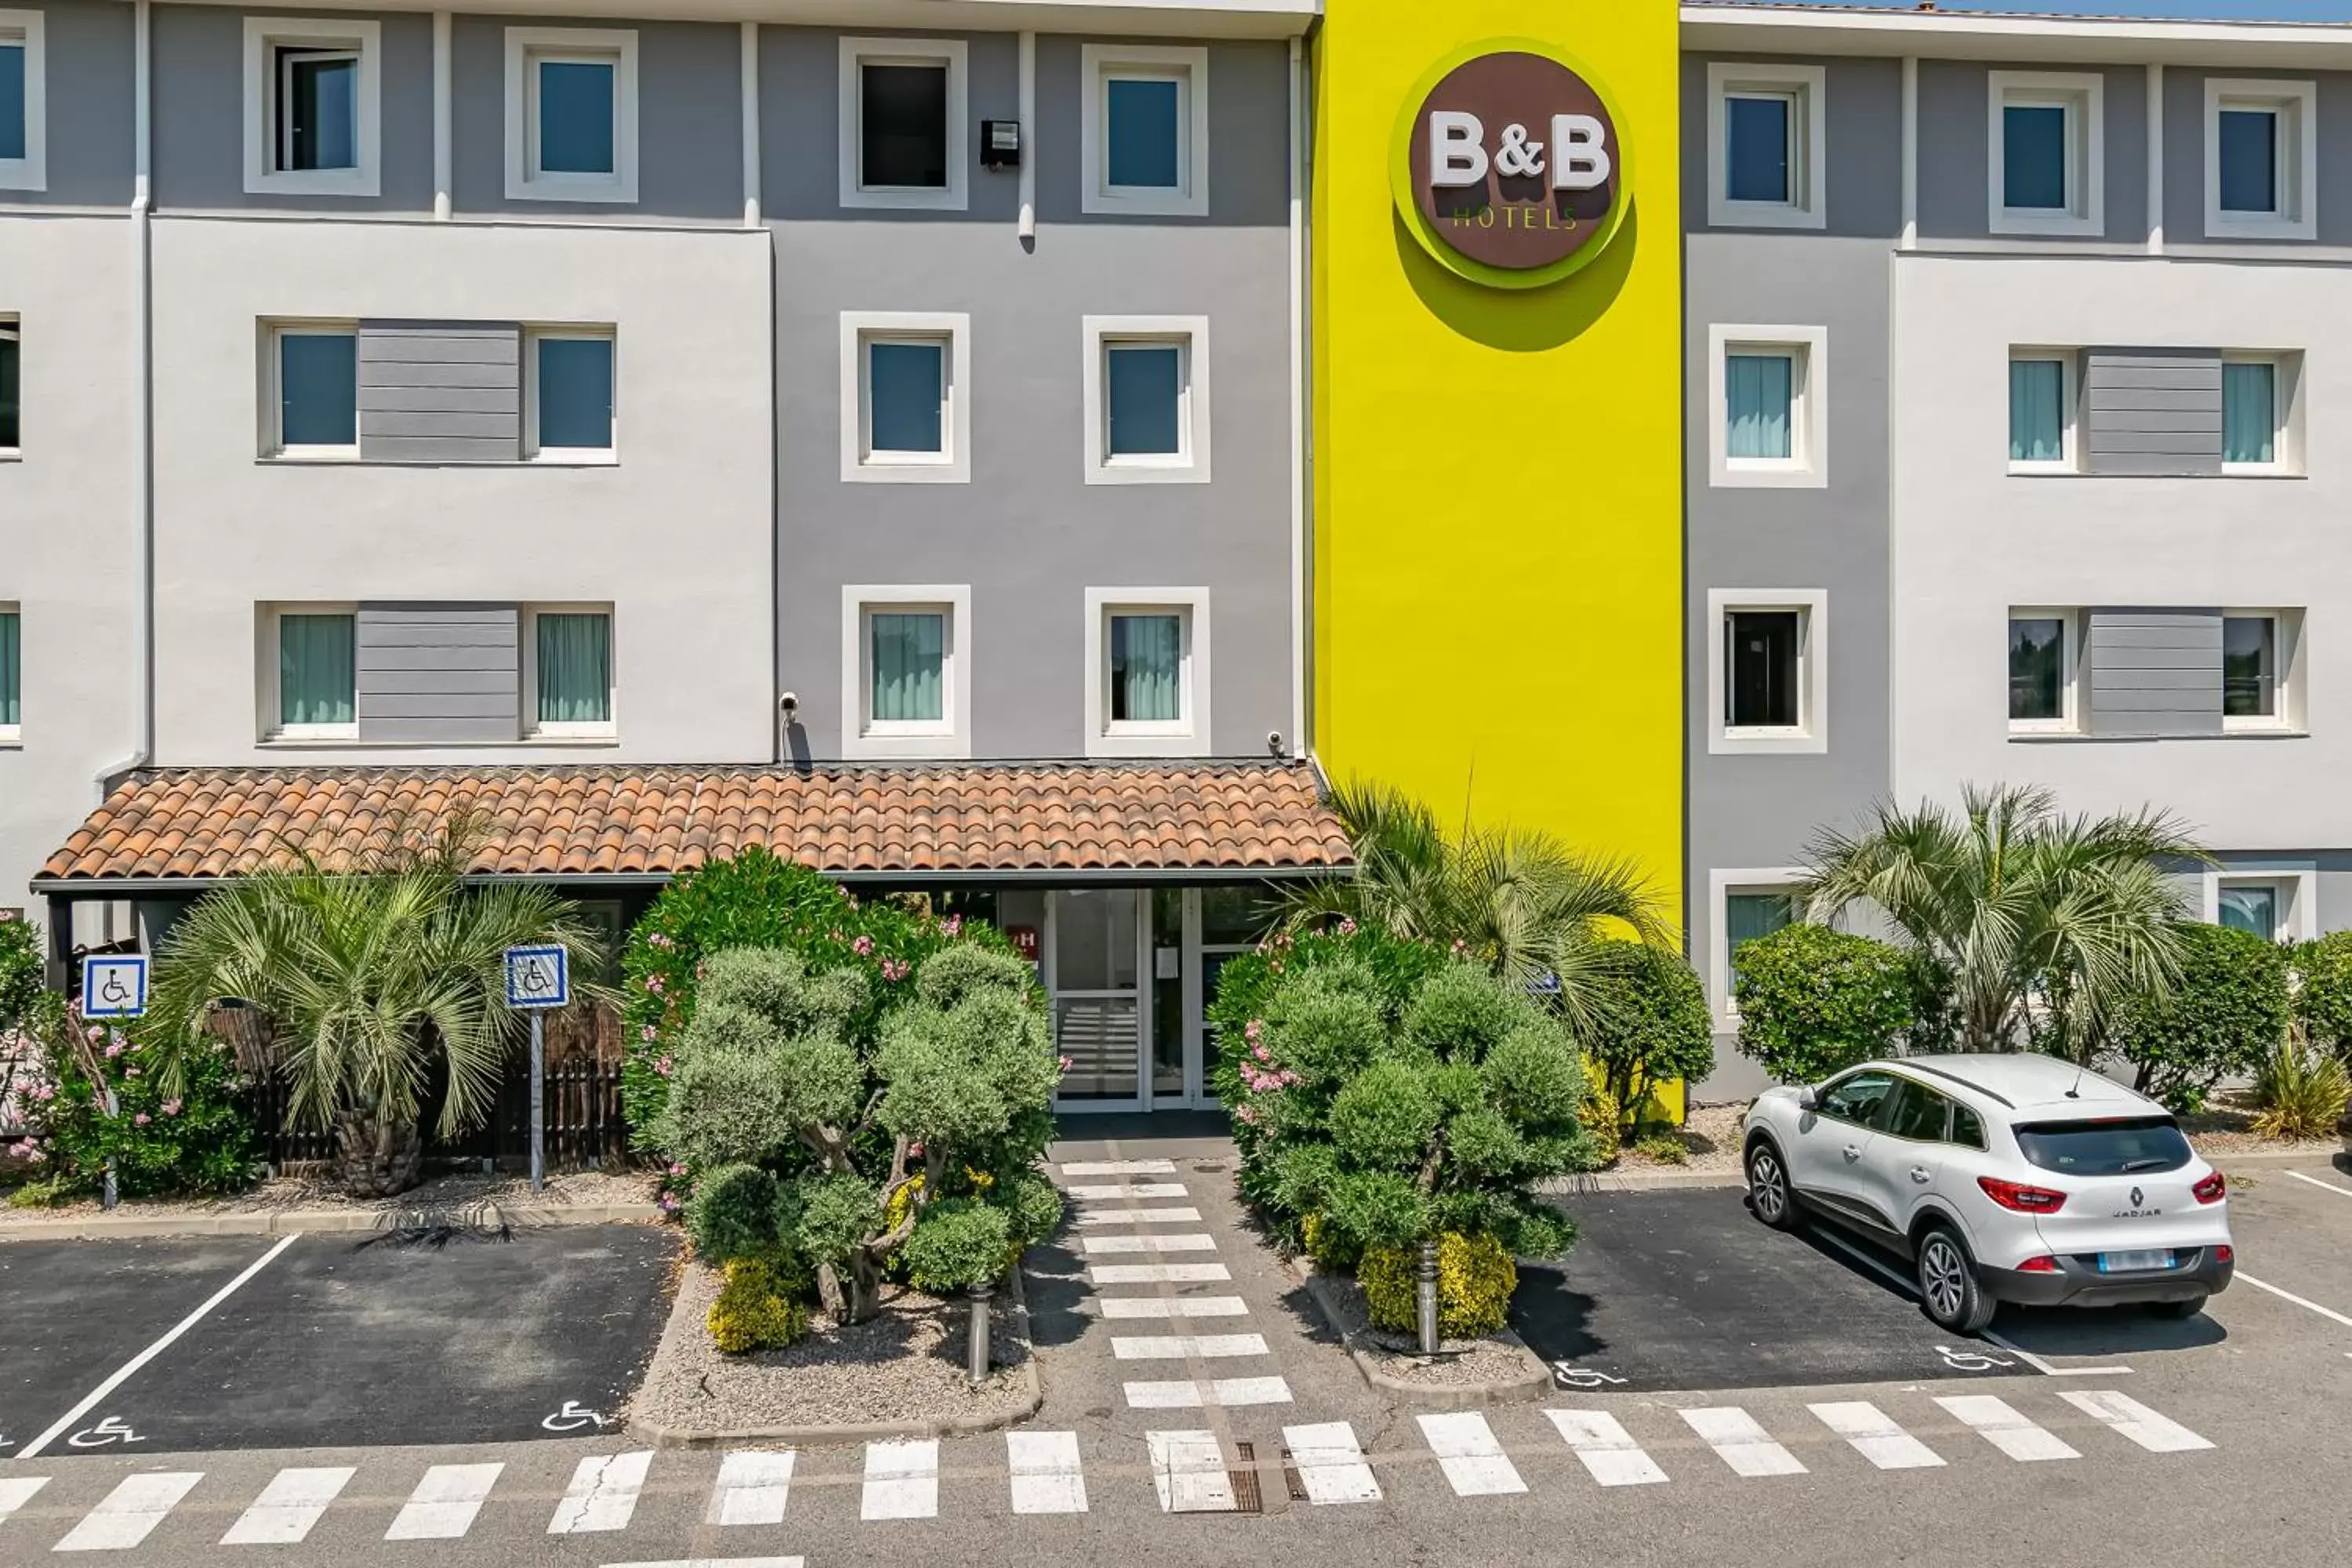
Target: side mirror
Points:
(1809, 1098)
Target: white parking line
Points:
(754, 1489)
(1474, 1462)
(1188, 1469)
(1875, 1436)
(2329, 1312)
(902, 1480)
(1329, 1463)
(1120, 1168)
(2157, 1434)
(1177, 1347)
(1742, 1441)
(287, 1507)
(129, 1513)
(1046, 1477)
(1119, 1192)
(1997, 1423)
(719, 1562)
(1607, 1449)
(1116, 1308)
(603, 1494)
(445, 1502)
(2341, 1192)
(65, 1423)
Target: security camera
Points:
(1274, 742)
(789, 703)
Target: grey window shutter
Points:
(2152, 411)
(2154, 671)
(440, 673)
(440, 392)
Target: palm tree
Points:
(1521, 902)
(365, 980)
(2038, 923)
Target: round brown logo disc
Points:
(1514, 161)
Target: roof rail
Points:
(1949, 1077)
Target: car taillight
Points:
(2212, 1189)
(2038, 1266)
(2225, 1255)
(2021, 1197)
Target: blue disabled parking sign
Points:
(114, 987)
(537, 977)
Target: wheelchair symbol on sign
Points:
(1969, 1361)
(109, 1430)
(572, 1417)
(1567, 1374)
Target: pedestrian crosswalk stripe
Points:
(1158, 1273)
(2157, 1434)
(1876, 1437)
(603, 1494)
(1115, 1192)
(1188, 1469)
(289, 1506)
(1474, 1462)
(1186, 1394)
(752, 1489)
(1742, 1442)
(902, 1480)
(1191, 1241)
(129, 1511)
(1608, 1451)
(719, 1562)
(1120, 1168)
(1329, 1464)
(1046, 1477)
(1997, 1422)
(1176, 1347)
(443, 1506)
(1119, 1307)
(1187, 1215)
(16, 1491)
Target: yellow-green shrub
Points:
(1327, 1243)
(753, 1311)
(1604, 1120)
(1475, 1277)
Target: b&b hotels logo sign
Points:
(1509, 165)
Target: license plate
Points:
(2132, 1262)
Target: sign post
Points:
(538, 978)
(113, 986)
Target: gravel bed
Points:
(1710, 1136)
(285, 1193)
(1489, 1359)
(2222, 1127)
(904, 1366)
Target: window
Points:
(2277, 900)
(2250, 672)
(568, 670)
(316, 685)
(11, 385)
(1766, 146)
(1915, 1114)
(1748, 916)
(903, 139)
(1147, 399)
(906, 401)
(24, 102)
(1857, 1097)
(2048, 170)
(1968, 1126)
(1767, 670)
(12, 673)
(2262, 140)
(570, 114)
(567, 411)
(2250, 406)
(1146, 687)
(906, 675)
(311, 97)
(2041, 412)
(1145, 147)
(2040, 670)
(2251, 906)
(314, 392)
(1767, 423)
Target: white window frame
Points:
(13, 735)
(2069, 396)
(2070, 670)
(1189, 69)
(1721, 884)
(1810, 734)
(12, 328)
(1188, 736)
(2083, 97)
(861, 738)
(1807, 89)
(861, 466)
(273, 732)
(532, 728)
(2286, 402)
(2297, 883)
(1190, 465)
(273, 408)
(2296, 104)
(956, 195)
(1807, 467)
(559, 457)
(31, 172)
(2287, 646)
(525, 46)
(263, 37)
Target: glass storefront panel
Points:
(1098, 1005)
(1169, 1018)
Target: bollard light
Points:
(1427, 1283)
(976, 1356)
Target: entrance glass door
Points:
(1094, 965)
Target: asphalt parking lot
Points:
(324, 1340)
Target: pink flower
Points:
(662, 1065)
(1250, 1030)
(114, 1050)
(676, 1170)
(1347, 926)
(96, 1033)
(43, 1092)
(1262, 1053)
(697, 972)
(171, 1107)
(1247, 1115)
(655, 984)
(1065, 1062)
(953, 925)
(141, 1119)
(669, 1203)
(1275, 965)
(862, 946)
(649, 1034)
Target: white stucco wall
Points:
(678, 535)
(66, 527)
(1970, 540)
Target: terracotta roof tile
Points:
(961, 818)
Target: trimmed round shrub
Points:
(1475, 1277)
(755, 1311)
(957, 1243)
(1656, 1028)
(1813, 1001)
(2224, 1015)
(2323, 991)
(732, 1212)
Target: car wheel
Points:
(2184, 1309)
(1949, 1288)
(1768, 1187)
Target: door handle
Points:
(1852, 1153)
(1921, 1175)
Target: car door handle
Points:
(1921, 1175)
(1853, 1152)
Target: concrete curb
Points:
(662, 1437)
(316, 1222)
(1531, 1384)
(1639, 1181)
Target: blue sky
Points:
(2211, 10)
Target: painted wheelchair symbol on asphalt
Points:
(1567, 1375)
(1969, 1361)
(572, 1417)
(109, 1430)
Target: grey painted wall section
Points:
(440, 392)
(2184, 154)
(2154, 671)
(88, 72)
(2152, 411)
(1864, 103)
(200, 113)
(1956, 147)
(1027, 533)
(439, 674)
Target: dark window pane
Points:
(11, 354)
(575, 117)
(1967, 1128)
(1856, 1099)
(575, 393)
(1146, 397)
(1145, 132)
(2249, 174)
(1917, 1113)
(2250, 667)
(1756, 149)
(1748, 916)
(2033, 157)
(320, 101)
(903, 130)
(318, 386)
(2251, 906)
(12, 101)
(2037, 667)
(903, 387)
(1761, 648)
(2124, 1147)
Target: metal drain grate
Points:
(1243, 1474)
(1293, 1482)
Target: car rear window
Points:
(2124, 1147)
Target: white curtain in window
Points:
(1147, 667)
(909, 660)
(1759, 391)
(2249, 413)
(575, 669)
(2037, 415)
